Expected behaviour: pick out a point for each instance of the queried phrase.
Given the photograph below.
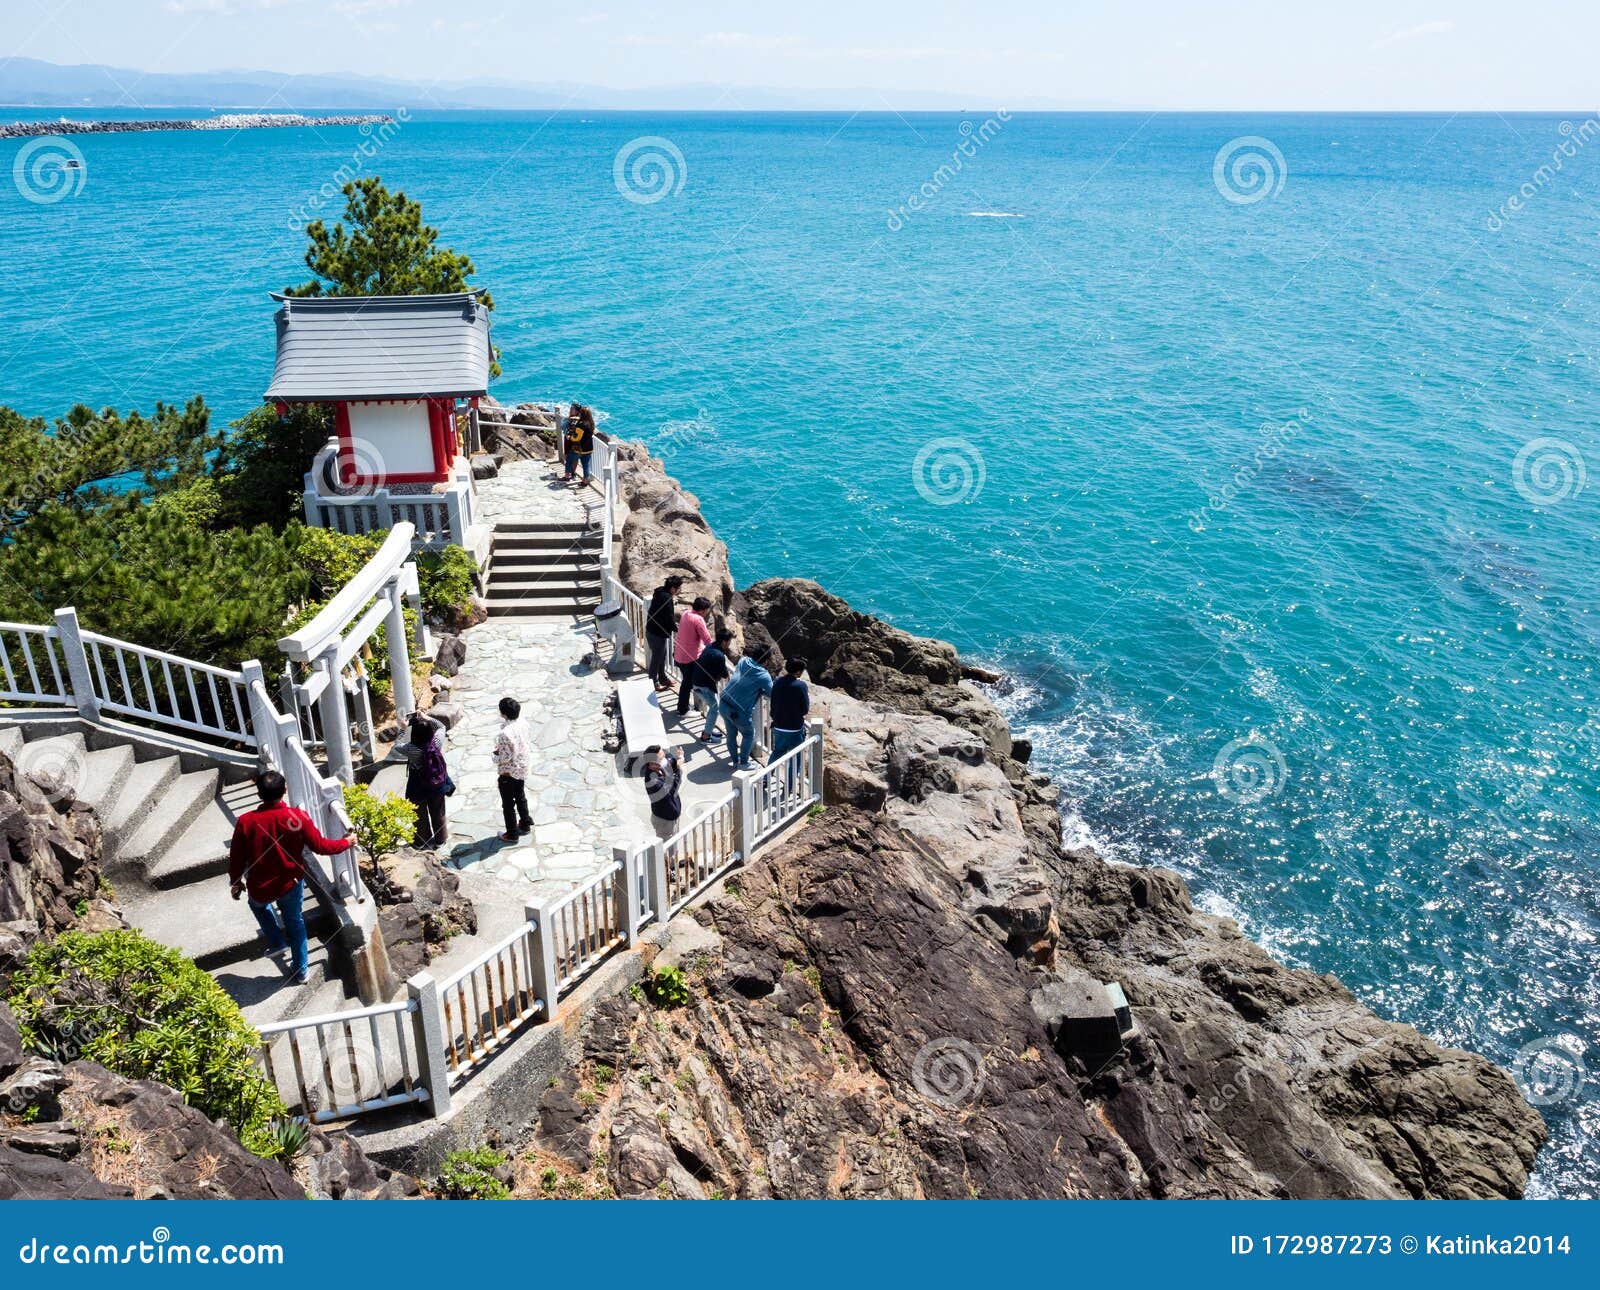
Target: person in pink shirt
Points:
(693, 636)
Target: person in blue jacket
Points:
(737, 704)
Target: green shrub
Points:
(381, 823)
(469, 1175)
(146, 1012)
(289, 1139)
(667, 987)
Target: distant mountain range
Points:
(28, 82)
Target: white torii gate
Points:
(374, 598)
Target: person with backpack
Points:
(749, 682)
(710, 671)
(690, 642)
(660, 625)
(266, 859)
(428, 781)
(579, 442)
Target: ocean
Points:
(1254, 449)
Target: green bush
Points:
(381, 823)
(667, 987)
(146, 1012)
(469, 1175)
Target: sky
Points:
(1289, 54)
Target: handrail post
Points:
(335, 721)
(629, 913)
(542, 959)
(427, 1028)
(744, 813)
(814, 729)
(660, 892)
(263, 721)
(70, 638)
(394, 630)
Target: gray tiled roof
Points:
(380, 347)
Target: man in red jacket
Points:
(267, 859)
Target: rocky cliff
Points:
(906, 998)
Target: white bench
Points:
(642, 727)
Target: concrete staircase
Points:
(167, 815)
(543, 570)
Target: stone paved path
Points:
(574, 792)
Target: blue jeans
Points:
(741, 734)
(573, 458)
(785, 741)
(709, 698)
(291, 933)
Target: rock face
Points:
(871, 1006)
(665, 534)
(422, 908)
(49, 862)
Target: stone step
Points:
(199, 853)
(207, 924)
(523, 584)
(553, 560)
(542, 608)
(264, 994)
(139, 793)
(547, 542)
(179, 805)
(105, 774)
(528, 526)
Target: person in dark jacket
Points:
(710, 671)
(267, 859)
(427, 780)
(660, 625)
(580, 441)
(663, 778)
(791, 704)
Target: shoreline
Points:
(226, 121)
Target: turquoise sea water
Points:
(1231, 487)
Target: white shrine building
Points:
(403, 376)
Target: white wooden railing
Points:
(101, 675)
(701, 852)
(437, 519)
(35, 671)
(347, 1063)
(488, 1000)
(587, 924)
